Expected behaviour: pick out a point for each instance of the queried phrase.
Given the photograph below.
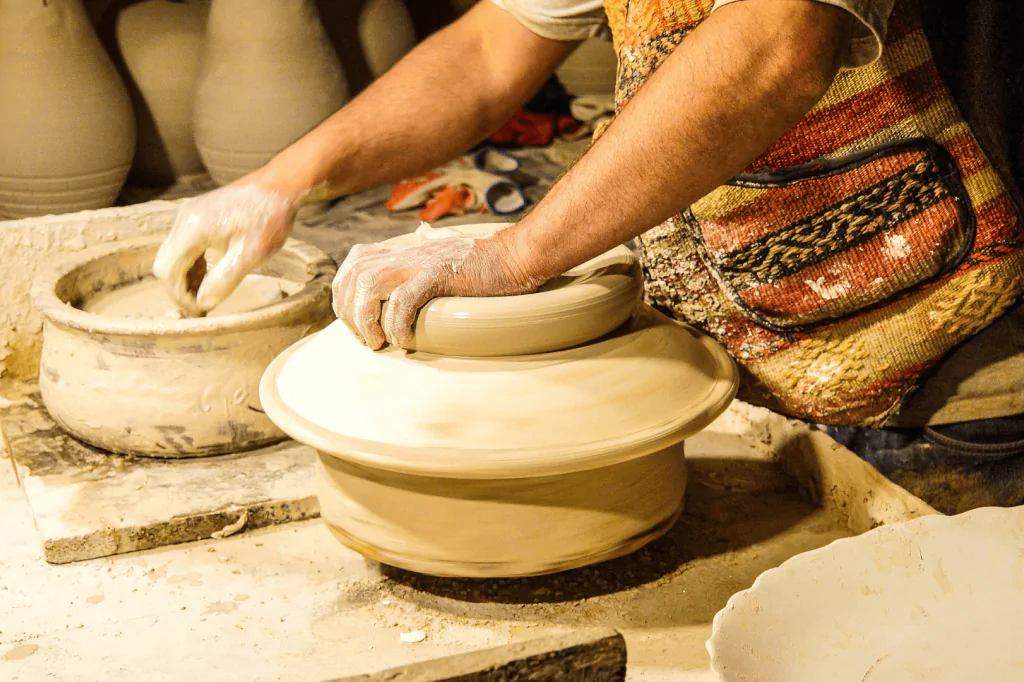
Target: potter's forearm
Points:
(448, 94)
(736, 84)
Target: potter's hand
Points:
(409, 276)
(237, 227)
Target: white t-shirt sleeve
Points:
(559, 19)
(868, 35)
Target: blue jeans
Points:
(953, 467)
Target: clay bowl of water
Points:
(451, 462)
(122, 370)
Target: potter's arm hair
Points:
(737, 83)
(449, 93)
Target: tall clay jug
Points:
(67, 133)
(386, 34)
(160, 42)
(268, 75)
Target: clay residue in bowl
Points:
(147, 298)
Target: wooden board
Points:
(585, 656)
(88, 503)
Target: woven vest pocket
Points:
(811, 244)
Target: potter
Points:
(795, 197)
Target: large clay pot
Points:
(386, 34)
(268, 75)
(167, 387)
(160, 43)
(67, 133)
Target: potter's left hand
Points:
(409, 276)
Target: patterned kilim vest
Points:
(856, 252)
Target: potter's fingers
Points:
(372, 287)
(225, 276)
(175, 258)
(368, 323)
(403, 306)
(341, 287)
(342, 290)
(336, 295)
(344, 284)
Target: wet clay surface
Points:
(148, 298)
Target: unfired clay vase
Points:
(501, 466)
(588, 301)
(168, 387)
(67, 132)
(160, 42)
(268, 75)
(590, 69)
(936, 599)
(386, 34)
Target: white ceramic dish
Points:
(937, 599)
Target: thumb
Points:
(175, 260)
(224, 277)
(403, 306)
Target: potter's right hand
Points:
(237, 228)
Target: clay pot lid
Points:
(649, 385)
(583, 304)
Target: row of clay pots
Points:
(220, 84)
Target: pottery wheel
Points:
(481, 465)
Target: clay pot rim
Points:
(318, 264)
(481, 463)
(802, 565)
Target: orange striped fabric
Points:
(853, 254)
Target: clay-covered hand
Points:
(409, 276)
(237, 228)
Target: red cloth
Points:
(527, 129)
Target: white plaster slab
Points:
(87, 503)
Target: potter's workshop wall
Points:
(31, 246)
